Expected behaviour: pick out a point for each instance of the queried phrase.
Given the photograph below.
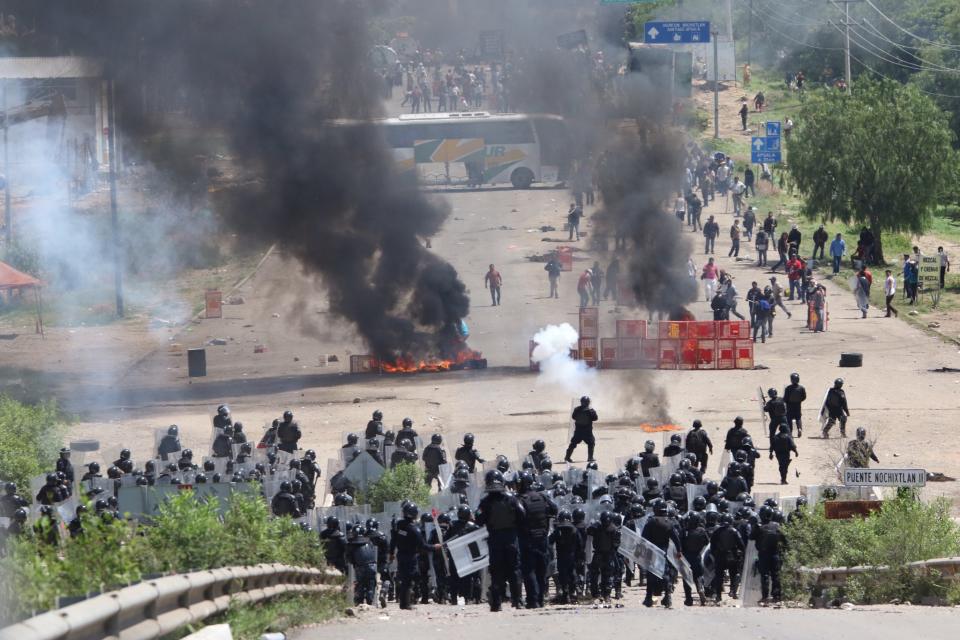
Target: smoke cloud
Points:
(557, 368)
(273, 77)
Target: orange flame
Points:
(651, 428)
(409, 364)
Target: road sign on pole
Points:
(661, 32)
(884, 477)
(773, 129)
(765, 150)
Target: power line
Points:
(932, 66)
(802, 21)
(883, 75)
(791, 38)
(934, 43)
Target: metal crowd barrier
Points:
(158, 607)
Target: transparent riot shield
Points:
(167, 447)
(750, 578)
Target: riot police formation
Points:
(537, 527)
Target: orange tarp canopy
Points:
(10, 278)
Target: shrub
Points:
(30, 439)
(403, 482)
(904, 530)
(186, 535)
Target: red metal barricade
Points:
(610, 350)
(630, 349)
(631, 328)
(744, 354)
(588, 350)
(589, 322)
(669, 355)
(688, 354)
(734, 329)
(726, 354)
(706, 354)
(702, 330)
(673, 330)
(650, 351)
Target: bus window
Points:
(554, 146)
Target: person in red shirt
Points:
(493, 281)
(794, 275)
(584, 285)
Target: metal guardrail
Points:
(837, 576)
(155, 608)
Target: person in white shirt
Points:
(680, 208)
(944, 265)
(738, 188)
(889, 290)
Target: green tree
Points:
(880, 156)
(30, 437)
(403, 482)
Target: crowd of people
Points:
(540, 523)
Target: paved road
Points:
(724, 623)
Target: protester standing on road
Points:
(710, 232)
(783, 248)
(734, 239)
(762, 244)
(573, 221)
(838, 248)
(583, 287)
(890, 290)
(749, 220)
(862, 290)
(612, 289)
(730, 297)
(596, 282)
(709, 275)
(744, 112)
(778, 297)
(553, 270)
(749, 181)
(820, 238)
(493, 281)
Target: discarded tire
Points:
(851, 359)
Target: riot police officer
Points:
(537, 454)
(288, 433)
(782, 445)
(433, 457)
(835, 406)
(407, 432)
(10, 501)
(776, 409)
(468, 454)
(771, 543)
(534, 546)
(334, 548)
(583, 418)
(404, 453)
(660, 530)
(727, 547)
(795, 395)
(362, 554)
(222, 419)
(698, 442)
(170, 443)
(405, 545)
(466, 587)
(648, 458)
(379, 540)
(350, 450)
(568, 547)
(502, 514)
(735, 435)
(65, 467)
(374, 426)
(52, 492)
(285, 503)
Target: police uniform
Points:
(501, 513)
(534, 546)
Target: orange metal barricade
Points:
(630, 349)
(631, 328)
(673, 330)
(610, 350)
(588, 350)
(669, 354)
(706, 354)
(589, 322)
(726, 354)
(734, 329)
(744, 354)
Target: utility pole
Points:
(8, 211)
(114, 219)
(846, 33)
(750, 32)
(716, 85)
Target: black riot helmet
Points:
(223, 410)
(310, 454)
(352, 439)
(407, 422)
(200, 479)
(332, 522)
(660, 507)
(468, 439)
(579, 515)
(838, 383)
(697, 424)
(209, 465)
(411, 511)
(676, 480)
(772, 393)
(286, 487)
(287, 415)
(539, 446)
(712, 488)
(801, 502)
(406, 444)
(592, 466)
(436, 439)
(187, 453)
(493, 481)
(649, 446)
(10, 488)
(52, 479)
(564, 516)
(464, 513)
(377, 414)
(765, 514)
(738, 421)
(770, 502)
(294, 464)
(699, 503)
(525, 481)
(794, 378)
(93, 467)
(546, 464)
(238, 427)
(461, 474)
(372, 524)
(173, 430)
(584, 401)
(65, 452)
(503, 464)
(726, 519)
(653, 484)
(372, 443)
(675, 438)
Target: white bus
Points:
(493, 149)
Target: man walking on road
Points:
(944, 265)
(820, 238)
(837, 250)
(493, 281)
(710, 231)
(583, 287)
(709, 277)
(734, 239)
(553, 270)
(573, 221)
(890, 290)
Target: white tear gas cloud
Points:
(557, 368)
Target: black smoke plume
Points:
(271, 77)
